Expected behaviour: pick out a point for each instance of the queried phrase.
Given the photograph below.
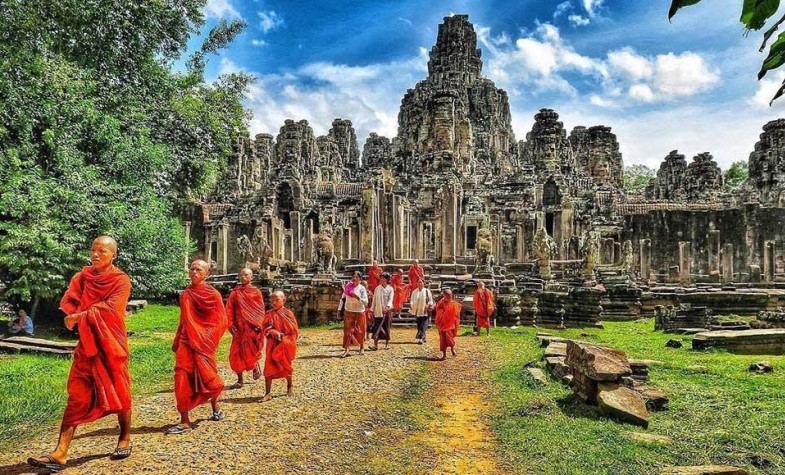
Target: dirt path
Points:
(385, 412)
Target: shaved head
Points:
(199, 262)
(246, 270)
(106, 240)
(279, 294)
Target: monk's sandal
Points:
(217, 416)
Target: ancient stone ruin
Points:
(544, 221)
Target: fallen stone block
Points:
(761, 367)
(622, 403)
(556, 348)
(674, 343)
(655, 399)
(598, 363)
(749, 342)
(705, 470)
(557, 367)
(650, 438)
(537, 375)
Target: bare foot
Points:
(345, 353)
(453, 352)
(290, 393)
(257, 372)
(267, 397)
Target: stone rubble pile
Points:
(680, 319)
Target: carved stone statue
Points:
(590, 251)
(244, 248)
(627, 257)
(325, 252)
(544, 248)
(261, 250)
(485, 260)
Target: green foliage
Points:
(735, 175)
(636, 177)
(754, 16)
(98, 135)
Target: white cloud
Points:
(258, 42)
(562, 9)
(270, 20)
(627, 62)
(578, 20)
(591, 6)
(220, 9)
(683, 75)
(767, 87)
(642, 92)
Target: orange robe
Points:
(401, 290)
(280, 354)
(99, 382)
(245, 314)
(374, 277)
(483, 307)
(416, 273)
(448, 320)
(202, 324)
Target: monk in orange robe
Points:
(483, 307)
(374, 276)
(99, 383)
(245, 313)
(202, 324)
(401, 294)
(448, 322)
(416, 273)
(281, 330)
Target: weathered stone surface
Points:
(752, 342)
(537, 375)
(761, 367)
(557, 366)
(623, 403)
(704, 470)
(673, 343)
(556, 348)
(597, 362)
(655, 399)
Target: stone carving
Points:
(597, 154)
(703, 177)
(544, 249)
(627, 258)
(546, 146)
(261, 249)
(669, 182)
(325, 252)
(485, 259)
(590, 251)
(244, 248)
(767, 164)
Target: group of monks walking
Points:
(99, 382)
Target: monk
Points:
(245, 313)
(99, 382)
(354, 301)
(281, 330)
(483, 307)
(448, 322)
(374, 275)
(202, 324)
(416, 274)
(401, 291)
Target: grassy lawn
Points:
(719, 413)
(33, 387)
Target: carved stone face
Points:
(601, 169)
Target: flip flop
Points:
(120, 453)
(48, 463)
(217, 416)
(178, 429)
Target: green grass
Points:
(719, 413)
(33, 387)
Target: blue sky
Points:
(688, 85)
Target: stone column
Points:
(727, 263)
(223, 248)
(714, 252)
(187, 232)
(616, 253)
(685, 262)
(295, 221)
(519, 245)
(607, 251)
(449, 225)
(645, 251)
(208, 245)
(367, 227)
(768, 261)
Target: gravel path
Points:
(392, 411)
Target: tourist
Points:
(483, 308)
(99, 382)
(244, 314)
(22, 324)
(416, 274)
(354, 303)
(401, 291)
(448, 322)
(421, 304)
(383, 298)
(281, 330)
(202, 324)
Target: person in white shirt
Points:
(382, 312)
(353, 303)
(421, 304)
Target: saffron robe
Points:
(483, 307)
(374, 277)
(448, 320)
(416, 273)
(99, 382)
(401, 291)
(280, 354)
(245, 314)
(202, 324)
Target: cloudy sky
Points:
(688, 85)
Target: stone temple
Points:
(542, 220)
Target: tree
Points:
(636, 177)
(735, 175)
(754, 16)
(99, 135)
